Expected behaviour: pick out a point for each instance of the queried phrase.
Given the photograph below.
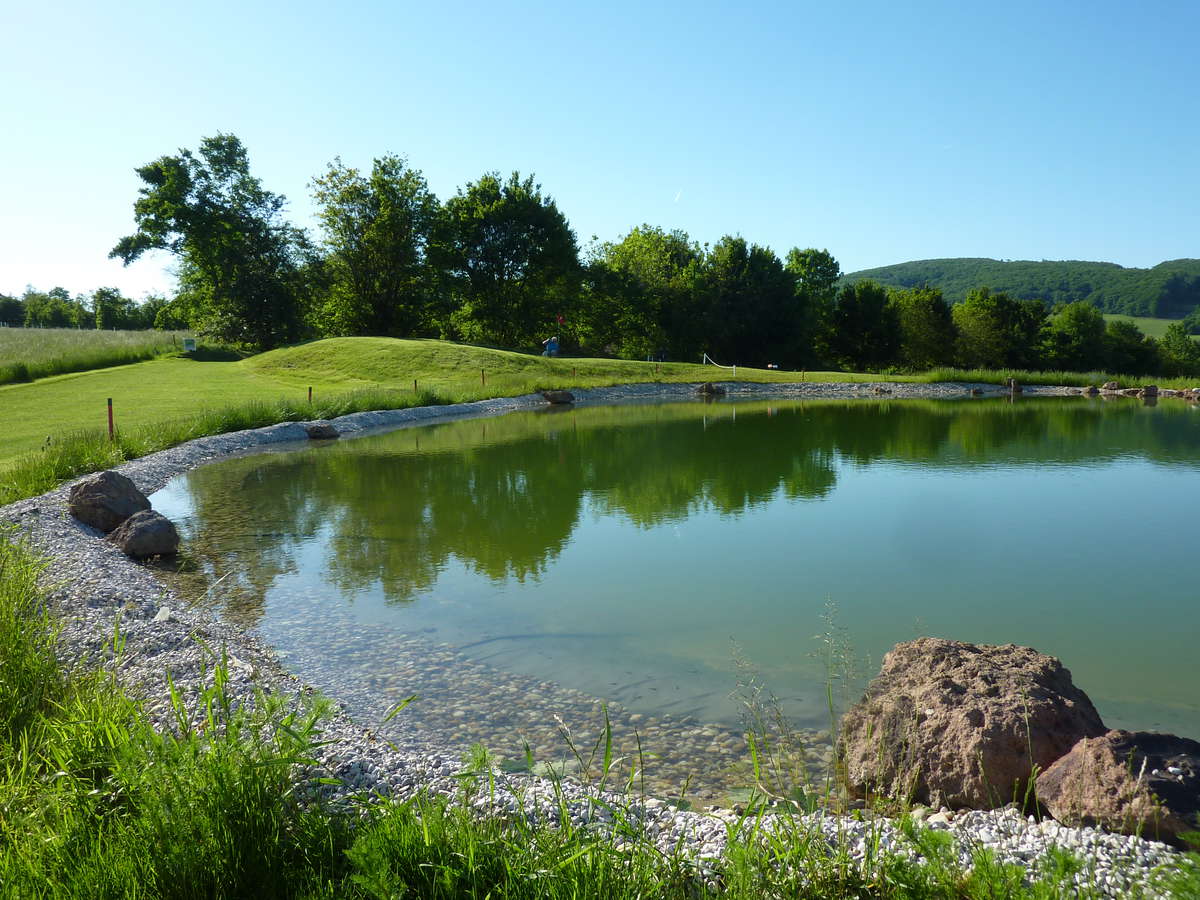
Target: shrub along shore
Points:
(219, 782)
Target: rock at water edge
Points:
(320, 431)
(1131, 782)
(105, 500)
(146, 534)
(952, 724)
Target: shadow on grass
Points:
(215, 354)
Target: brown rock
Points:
(1150, 390)
(105, 500)
(145, 534)
(954, 724)
(558, 397)
(1091, 390)
(319, 431)
(1111, 386)
(1132, 782)
(708, 389)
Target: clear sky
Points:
(883, 131)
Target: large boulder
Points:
(709, 389)
(962, 725)
(105, 500)
(558, 397)
(1132, 782)
(146, 534)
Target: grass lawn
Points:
(178, 388)
(1155, 328)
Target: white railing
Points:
(709, 361)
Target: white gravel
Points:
(92, 584)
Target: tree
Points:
(12, 311)
(754, 313)
(54, 309)
(1074, 338)
(866, 329)
(1181, 354)
(229, 233)
(927, 332)
(643, 296)
(995, 331)
(817, 274)
(510, 259)
(1128, 351)
(377, 230)
(111, 309)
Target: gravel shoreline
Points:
(91, 584)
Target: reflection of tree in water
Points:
(503, 496)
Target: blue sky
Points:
(882, 131)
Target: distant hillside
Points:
(1169, 290)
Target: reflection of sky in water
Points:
(1065, 538)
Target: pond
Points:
(636, 554)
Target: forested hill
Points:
(1169, 290)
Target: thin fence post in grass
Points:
(310, 395)
(110, 419)
(483, 377)
(414, 385)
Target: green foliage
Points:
(377, 230)
(54, 309)
(643, 296)
(755, 316)
(1170, 289)
(816, 273)
(866, 328)
(510, 261)
(12, 312)
(1180, 354)
(111, 310)
(927, 332)
(1074, 338)
(240, 259)
(996, 331)
(1191, 321)
(1126, 349)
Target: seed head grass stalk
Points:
(27, 354)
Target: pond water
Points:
(633, 553)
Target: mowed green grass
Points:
(172, 389)
(1155, 328)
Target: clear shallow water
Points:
(623, 551)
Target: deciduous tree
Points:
(927, 331)
(243, 258)
(510, 259)
(377, 229)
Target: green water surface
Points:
(633, 551)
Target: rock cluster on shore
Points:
(979, 727)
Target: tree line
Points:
(1169, 290)
(105, 308)
(498, 264)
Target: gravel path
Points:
(91, 584)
